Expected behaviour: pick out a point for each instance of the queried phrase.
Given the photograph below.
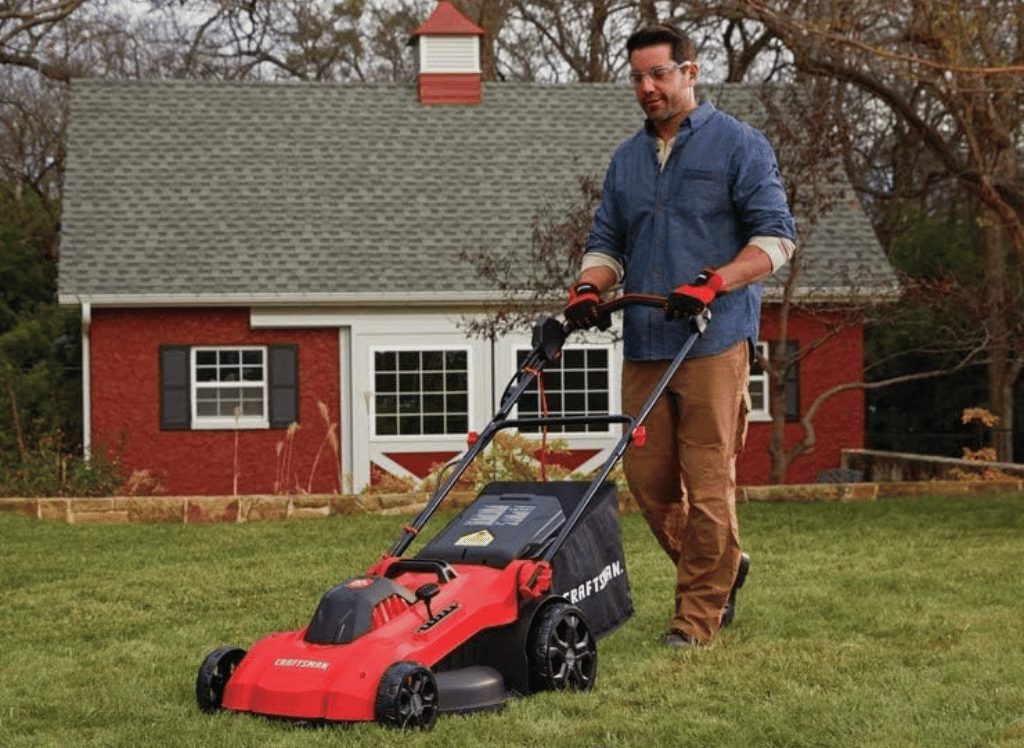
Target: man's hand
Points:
(692, 299)
(583, 310)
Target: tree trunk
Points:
(1000, 384)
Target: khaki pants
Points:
(684, 477)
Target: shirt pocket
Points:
(700, 194)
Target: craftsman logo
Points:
(480, 539)
(302, 664)
(358, 584)
(596, 584)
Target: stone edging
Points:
(213, 509)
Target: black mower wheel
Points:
(562, 650)
(213, 677)
(407, 697)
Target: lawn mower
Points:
(510, 598)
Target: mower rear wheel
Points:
(407, 697)
(213, 677)
(562, 650)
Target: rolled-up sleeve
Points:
(758, 191)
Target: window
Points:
(577, 385)
(758, 388)
(229, 386)
(207, 387)
(421, 392)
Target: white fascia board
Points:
(374, 301)
(836, 295)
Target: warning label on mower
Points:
(510, 515)
(476, 539)
(596, 584)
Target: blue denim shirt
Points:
(719, 188)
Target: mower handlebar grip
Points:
(444, 571)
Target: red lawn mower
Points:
(510, 597)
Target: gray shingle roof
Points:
(199, 190)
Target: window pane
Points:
(387, 404)
(206, 406)
(575, 380)
(386, 382)
(575, 402)
(457, 403)
(456, 360)
(409, 382)
(456, 382)
(456, 424)
(229, 358)
(385, 361)
(409, 404)
(574, 358)
(433, 424)
(433, 360)
(433, 382)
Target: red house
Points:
(273, 284)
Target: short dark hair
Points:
(682, 46)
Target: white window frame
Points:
(399, 349)
(590, 431)
(240, 421)
(759, 384)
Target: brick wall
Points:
(839, 423)
(125, 372)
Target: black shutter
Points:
(284, 385)
(793, 380)
(175, 392)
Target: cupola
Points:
(447, 47)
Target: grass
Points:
(895, 623)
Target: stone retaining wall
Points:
(211, 509)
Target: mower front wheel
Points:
(562, 650)
(213, 677)
(407, 697)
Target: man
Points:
(693, 209)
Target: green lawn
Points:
(895, 623)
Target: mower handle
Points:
(549, 336)
(629, 299)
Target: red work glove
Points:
(692, 299)
(583, 310)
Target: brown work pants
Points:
(684, 476)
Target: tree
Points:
(949, 76)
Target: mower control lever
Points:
(426, 593)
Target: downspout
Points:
(86, 382)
